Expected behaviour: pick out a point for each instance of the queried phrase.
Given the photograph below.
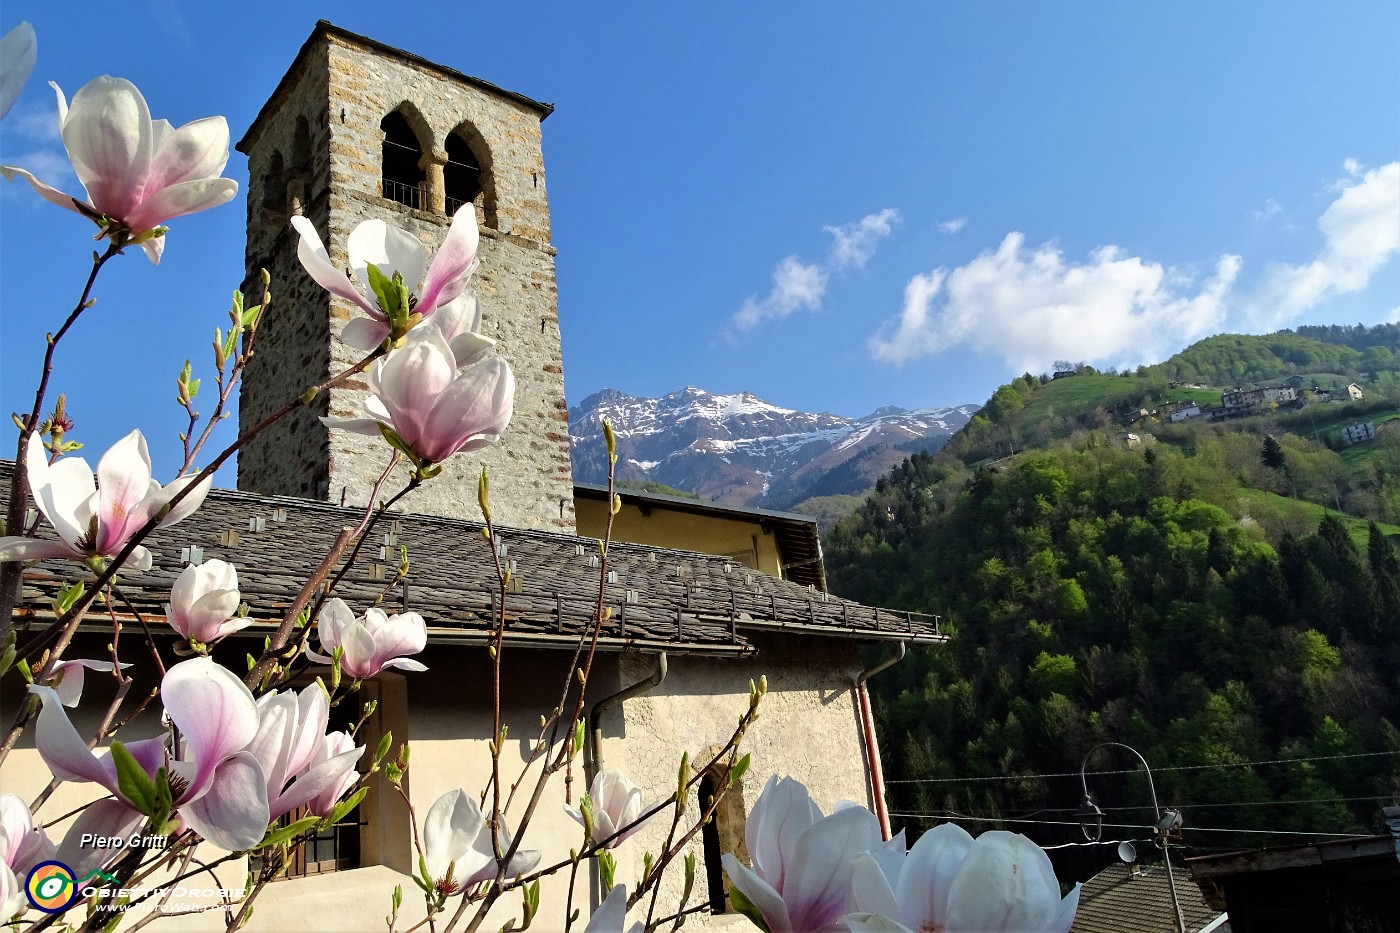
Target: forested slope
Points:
(1185, 596)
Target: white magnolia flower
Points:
(137, 172)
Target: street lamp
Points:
(1168, 821)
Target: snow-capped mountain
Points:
(741, 450)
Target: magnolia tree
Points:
(245, 765)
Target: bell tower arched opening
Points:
(404, 179)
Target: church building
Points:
(702, 599)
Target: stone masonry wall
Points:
(515, 282)
(288, 169)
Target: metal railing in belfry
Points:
(402, 192)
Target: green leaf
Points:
(68, 596)
(682, 782)
(135, 785)
(532, 903)
(383, 750)
(387, 292)
(607, 869)
(250, 317)
(689, 878)
(578, 739)
(346, 805)
(286, 833)
(737, 772)
(745, 906)
(585, 809)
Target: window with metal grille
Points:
(461, 175)
(403, 179)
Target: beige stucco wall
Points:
(748, 542)
(808, 729)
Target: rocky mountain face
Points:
(740, 450)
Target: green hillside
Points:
(1223, 595)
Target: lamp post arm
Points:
(1151, 786)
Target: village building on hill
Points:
(702, 599)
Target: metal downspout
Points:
(872, 750)
(593, 754)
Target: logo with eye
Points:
(51, 887)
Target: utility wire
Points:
(1235, 764)
(1194, 829)
(1196, 805)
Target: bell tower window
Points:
(404, 179)
(461, 175)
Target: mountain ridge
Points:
(738, 449)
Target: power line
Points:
(1194, 829)
(1195, 805)
(1063, 774)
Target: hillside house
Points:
(1141, 898)
(1176, 412)
(1336, 886)
(1280, 395)
(1361, 431)
(1238, 400)
(1354, 392)
(688, 630)
(1130, 441)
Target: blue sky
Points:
(836, 207)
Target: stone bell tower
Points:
(357, 130)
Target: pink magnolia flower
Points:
(450, 831)
(299, 760)
(999, 881)
(333, 749)
(102, 819)
(617, 803)
(13, 903)
(460, 323)
(433, 407)
(95, 519)
(203, 601)
(137, 172)
(70, 675)
(17, 52)
(524, 860)
(22, 844)
(457, 846)
(220, 790)
(378, 642)
(802, 861)
(391, 251)
(611, 915)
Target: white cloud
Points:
(35, 128)
(954, 225)
(1361, 231)
(1270, 210)
(796, 285)
(1031, 306)
(802, 286)
(853, 244)
(1394, 316)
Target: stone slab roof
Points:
(1139, 898)
(325, 28)
(660, 599)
